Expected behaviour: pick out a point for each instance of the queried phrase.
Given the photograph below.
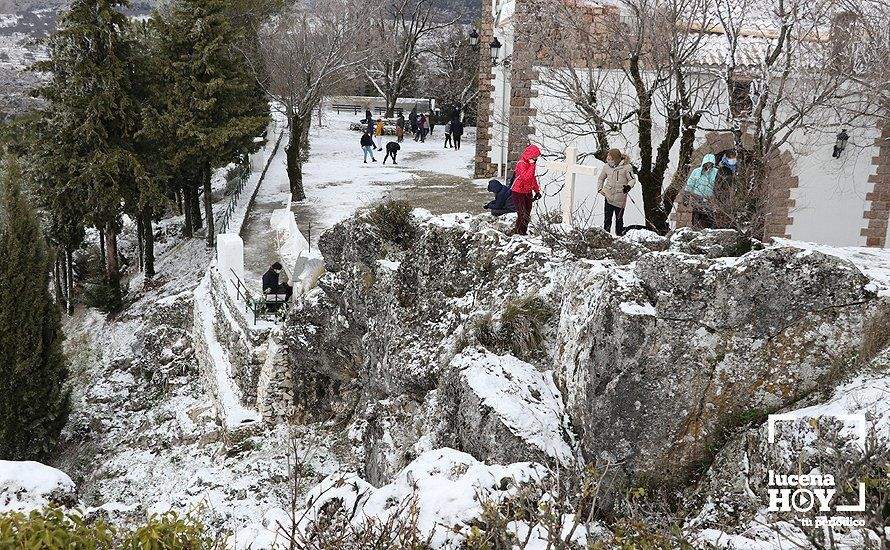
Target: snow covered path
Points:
(338, 183)
(259, 238)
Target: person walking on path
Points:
(448, 135)
(700, 187)
(525, 189)
(368, 147)
(424, 128)
(400, 128)
(615, 182)
(457, 131)
(378, 134)
(412, 120)
(432, 120)
(392, 148)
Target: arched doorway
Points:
(763, 203)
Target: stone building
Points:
(813, 196)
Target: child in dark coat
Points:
(391, 149)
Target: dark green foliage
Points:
(54, 528)
(393, 219)
(85, 155)
(100, 295)
(34, 404)
(213, 102)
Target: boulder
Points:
(28, 485)
(711, 243)
(396, 431)
(821, 434)
(442, 492)
(660, 360)
(593, 243)
(503, 410)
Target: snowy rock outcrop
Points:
(444, 487)
(444, 332)
(661, 359)
(28, 485)
(822, 434)
(504, 410)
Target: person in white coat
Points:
(615, 182)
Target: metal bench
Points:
(264, 304)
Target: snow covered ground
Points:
(143, 436)
(337, 183)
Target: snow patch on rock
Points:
(446, 486)
(525, 400)
(28, 485)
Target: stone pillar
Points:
(780, 183)
(878, 213)
(230, 257)
(484, 168)
(522, 76)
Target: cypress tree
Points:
(34, 404)
(216, 104)
(93, 116)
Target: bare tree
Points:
(452, 74)
(304, 52)
(632, 70)
(802, 71)
(396, 35)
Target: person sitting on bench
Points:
(272, 282)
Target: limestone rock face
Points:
(660, 360)
(659, 348)
(502, 409)
(396, 432)
(712, 243)
(821, 434)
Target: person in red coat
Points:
(525, 188)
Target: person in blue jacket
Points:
(700, 186)
(503, 199)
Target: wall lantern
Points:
(841, 143)
(495, 49)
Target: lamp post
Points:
(495, 49)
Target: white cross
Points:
(570, 168)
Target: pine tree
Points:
(215, 102)
(93, 116)
(34, 403)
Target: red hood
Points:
(531, 152)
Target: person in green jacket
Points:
(700, 185)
